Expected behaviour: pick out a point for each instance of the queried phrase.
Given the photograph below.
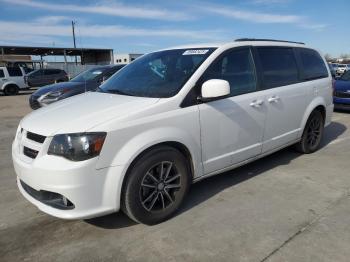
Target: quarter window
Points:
(279, 67)
(14, 71)
(2, 73)
(236, 67)
(313, 65)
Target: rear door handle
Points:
(273, 99)
(256, 103)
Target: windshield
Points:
(88, 75)
(342, 66)
(160, 74)
(346, 76)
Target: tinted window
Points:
(236, 67)
(14, 71)
(2, 73)
(313, 65)
(52, 71)
(279, 67)
(158, 74)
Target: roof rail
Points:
(270, 40)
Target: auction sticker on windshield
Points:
(196, 52)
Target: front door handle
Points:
(256, 103)
(273, 99)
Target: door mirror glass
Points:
(215, 88)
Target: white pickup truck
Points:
(12, 80)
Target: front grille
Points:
(30, 152)
(49, 198)
(341, 94)
(35, 137)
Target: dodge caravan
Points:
(171, 118)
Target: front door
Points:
(232, 128)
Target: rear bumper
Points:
(341, 103)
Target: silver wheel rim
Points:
(159, 186)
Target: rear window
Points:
(313, 65)
(279, 67)
(2, 73)
(14, 71)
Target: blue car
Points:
(341, 97)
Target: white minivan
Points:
(168, 119)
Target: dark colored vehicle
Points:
(341, 96)
(88, 80)
(43, 77)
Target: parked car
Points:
(168, 119)
(12, 80)
(341, 95)
(341, 69)
(88, 80)
(42, 77)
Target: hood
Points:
(83, 112)
(56, 87)
(341, 85)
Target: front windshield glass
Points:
(346, 76)
(160, 74)
(88, 75)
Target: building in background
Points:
(122, 59)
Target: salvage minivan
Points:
(171, 118)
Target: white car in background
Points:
(12, 80)
(171, 118)
(342, 68)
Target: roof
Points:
(242, 42)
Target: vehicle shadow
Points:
(21, 93)
(206, 189)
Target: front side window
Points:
(236, 67)
(14, 71)
(2, 73)
(279, 67)
(313, 65)
(160, 74)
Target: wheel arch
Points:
(9, 83)
(317, 104)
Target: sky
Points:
(145, 26)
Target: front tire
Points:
(312, 134)
(156, 185)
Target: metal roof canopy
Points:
(89, 55)
(44, 51)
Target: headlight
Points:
(78, 146)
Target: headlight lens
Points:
(78, 146)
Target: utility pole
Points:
(73, 30)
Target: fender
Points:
(8, 83)
(317, 101)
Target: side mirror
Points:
(214, 89)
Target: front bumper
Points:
(93, 192)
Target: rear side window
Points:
(313, 65)
(2, 73)
(14, 71)
(279, 67)
(237, 67)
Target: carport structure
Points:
(87, 55)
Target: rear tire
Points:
(156, 185)
(312, 134)
(11, 90)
